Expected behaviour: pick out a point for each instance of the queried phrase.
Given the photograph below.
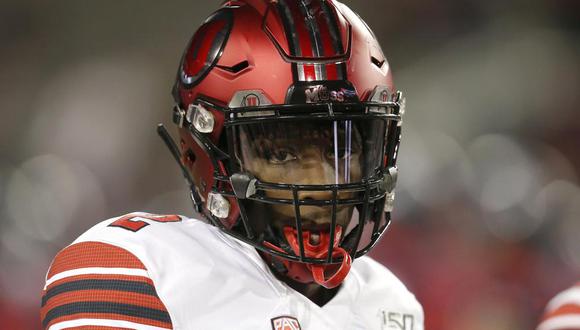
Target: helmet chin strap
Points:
(318, 248)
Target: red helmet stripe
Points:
(334, 36)
(328, 38)
(310, 12)
(306, 46)
(293, 45)
(312, 31)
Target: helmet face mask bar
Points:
(371, 125)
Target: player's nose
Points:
(319, 173)
(315, 195)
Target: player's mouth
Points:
(318, 245)
(314, 238)
(315, 231)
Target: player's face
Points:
(307, 154)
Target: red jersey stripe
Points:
(129, 298)
(567, 309)
(93, 254)
(96, 327)
(109, 316)
(100, 277)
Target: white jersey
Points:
(563, 311)
(143, 271)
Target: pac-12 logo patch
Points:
(285, 323)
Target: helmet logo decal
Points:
(385, 96)
(251, 100)
(285, 323)
(381, 94)
(205, 48)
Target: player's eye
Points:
(341, 153)
(281, 156)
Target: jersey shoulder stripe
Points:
(563, 311)
(93, 254)
(99, 324)
(99, 281)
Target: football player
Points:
(563, 311)
(289, 127)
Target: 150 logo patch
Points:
(398, 321)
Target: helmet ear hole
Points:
(187, 155)
(190, 157)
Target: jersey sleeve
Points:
(563, 311)
(94, 285)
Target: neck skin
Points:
(315, 292)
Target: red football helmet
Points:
(289, 129)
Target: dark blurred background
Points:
(486, 226)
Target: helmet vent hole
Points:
(377, 62)
(236, 68)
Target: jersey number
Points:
(128, 223)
